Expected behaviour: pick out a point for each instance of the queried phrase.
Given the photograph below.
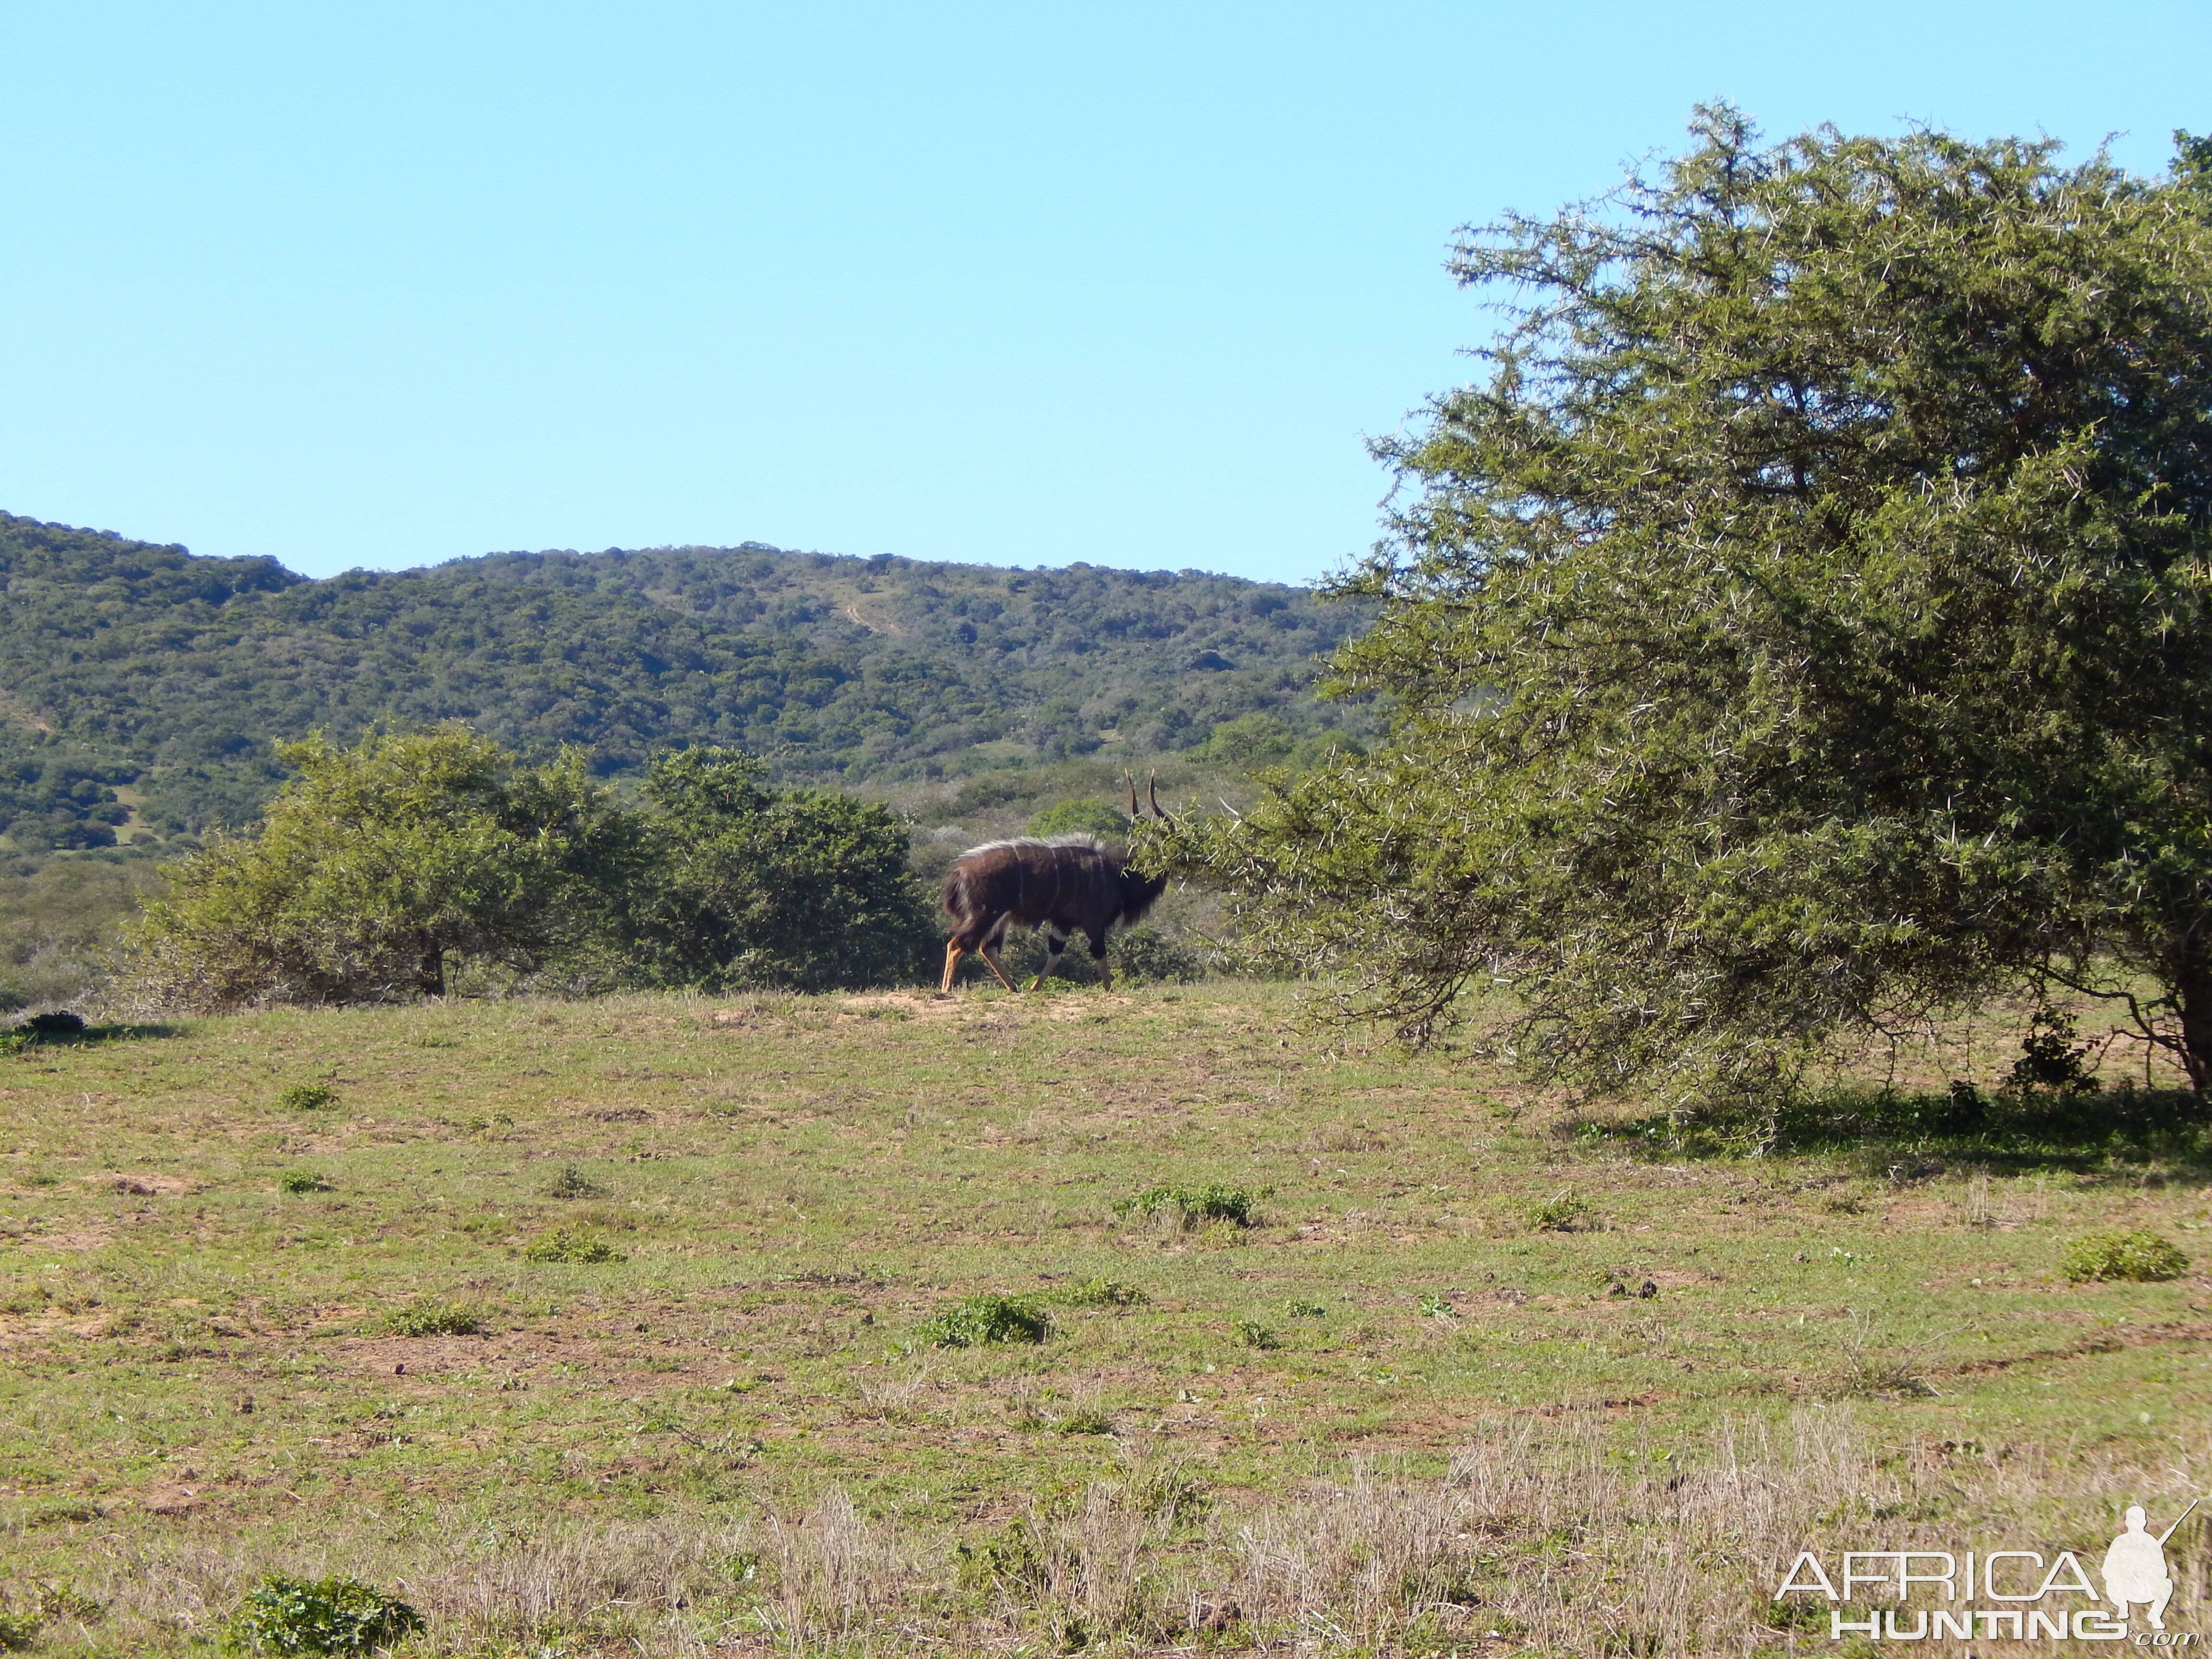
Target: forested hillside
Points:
(141, 669)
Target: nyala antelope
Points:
(1070, 883)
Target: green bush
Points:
(325, 1615)
(974, 1320)
(573, 1182)
(1145, 954)
(1253, 1335)
(430, 1317)
(576, 1247)
(297, 1182)
(18, 1630)
(1192, 1205)
(308, 1098)
(1079, 818)
(2137, 1255)
(1564, 1212)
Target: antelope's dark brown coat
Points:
(1069, 883)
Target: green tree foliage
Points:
(1081, 815)
(378, 866)
(1801, 627)
(747, 885)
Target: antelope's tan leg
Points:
(997, 969)
(951, 964)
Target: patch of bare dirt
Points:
(143, 1185)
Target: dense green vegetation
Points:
(414, 863)
(147, 691)
(1802, 629)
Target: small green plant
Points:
(1565, 1211)
(1297, 1310)
(573, 1182)
(308, 1098)
(1435, 1305)
(577, 1248)
(322, 1615)
(1100, 1293)
(1194, 1205)
(1253, 1335)
(2050, 1061)
(432, 1316)
(1085, 1420)
(2138, 1256)
(974, 1320)
(297, 1182)
(18, 1630)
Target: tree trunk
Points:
(431, 976)
(2193, 993)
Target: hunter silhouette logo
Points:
(2031, 1599)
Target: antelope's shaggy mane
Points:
(1082, 839)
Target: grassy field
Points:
(315, 1292)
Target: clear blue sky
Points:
(385, 285)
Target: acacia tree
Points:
(377, 866)
(1799, 629)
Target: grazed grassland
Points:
(1404, 1412)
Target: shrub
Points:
(1192, 1205)
(1145, 954)
(63, 1024)
(429, 1316)
(1564, 1212)
(1253, 1335)
(576, 1247)
(1299, 1310)
(2138, 1256)
(325, 1615)
(573, 1182)
(974, 1320)
(308, 1098)
(2050, 1061)
(297, 1182)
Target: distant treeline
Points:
(139, 676)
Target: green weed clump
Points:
(2138, 1256)
(974, 1320)
(431, 1316)
(1195, 1204)
(319, 1616)
(1100, 1293)
(18, 1630)
(1253, 1335)
(578, 1248)
(573, 1182)
(308, 1098)
(297, 1182)
(1565, 1211)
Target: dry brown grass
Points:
(1535, 1540)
